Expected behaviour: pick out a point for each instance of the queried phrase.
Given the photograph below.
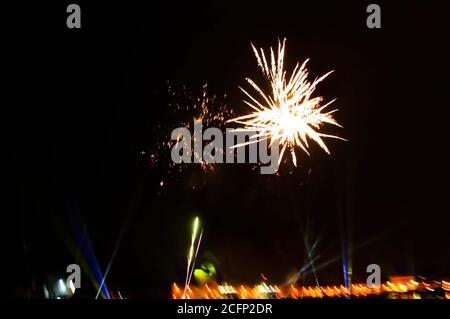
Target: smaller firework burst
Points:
(181, 108)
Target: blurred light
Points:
(62, 286)
(404, 289)
(72, 286)
(227, 289)
(46, 293)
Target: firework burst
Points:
(288, 114)
(181, 106)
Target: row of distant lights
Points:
(357, 289)
(262, 288)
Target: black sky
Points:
(89, 101)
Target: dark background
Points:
(85, 104)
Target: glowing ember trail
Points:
(191, 257)
(288, 114)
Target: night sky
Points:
(90, 99)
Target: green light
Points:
(195, 230)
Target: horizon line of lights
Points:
(264, 290)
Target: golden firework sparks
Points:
(288, 113)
